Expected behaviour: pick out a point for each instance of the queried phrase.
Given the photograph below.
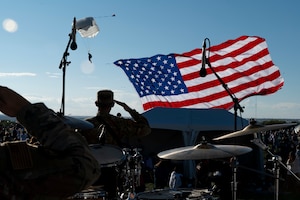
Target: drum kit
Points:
(206, 150)
(127, 162)
(131, 160)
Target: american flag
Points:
(244, 64)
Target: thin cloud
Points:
(17, 74)
(53, 75)
(286, 105)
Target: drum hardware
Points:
(234, 164)
(206, 150)
(132, 171)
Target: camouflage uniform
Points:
(117, 128)
(60, 167)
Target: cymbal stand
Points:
(277, 163)
(276, 160)
(234, 163)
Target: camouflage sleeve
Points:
(54, 134)
(142, 123)
(47, 127)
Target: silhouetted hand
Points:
(124, 105)
(11, 102)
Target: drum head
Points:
(107, 154)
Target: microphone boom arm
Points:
(237, 105)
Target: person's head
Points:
(105, 99)
(292, 155)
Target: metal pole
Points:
(234, 181)
(276, 169)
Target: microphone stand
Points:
(63, 64)
(237, 106)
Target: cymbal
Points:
(204, 151)
(254, 128)
(77, 123)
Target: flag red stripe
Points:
(227, 105)
(216, 82)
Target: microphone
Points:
(203, 70)
(73, 44)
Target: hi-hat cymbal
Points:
(204, 151)
(77, 123)
(254, 128)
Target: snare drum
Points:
(161, 195)
(107, 155)
(90, 193)
(179, 194)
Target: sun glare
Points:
(10, 25)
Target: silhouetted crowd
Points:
(12, 131)
(281, 142)
(284, 143)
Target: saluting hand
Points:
(124, 105)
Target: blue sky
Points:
(30, 55)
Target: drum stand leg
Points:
(154, 178)
(234, 163)
(276, 160)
